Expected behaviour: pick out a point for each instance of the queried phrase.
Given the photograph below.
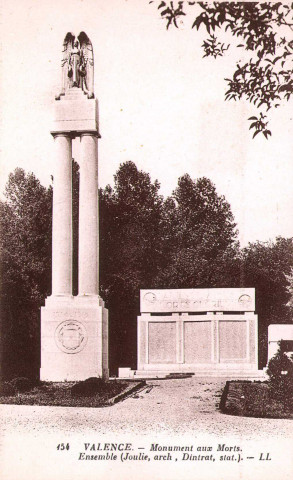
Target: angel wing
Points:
(87, 55)
(67, 47)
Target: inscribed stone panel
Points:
(198, 300)
(232, 340)
(162, 342)
(197, 342)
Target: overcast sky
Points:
(161, 105)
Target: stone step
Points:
(210, 373)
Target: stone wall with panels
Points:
(191, 341)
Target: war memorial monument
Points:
(74, 329)
(208, 332)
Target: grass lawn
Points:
(254, 399)
(61, 394)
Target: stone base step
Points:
(163, 374)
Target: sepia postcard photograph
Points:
(146, 239)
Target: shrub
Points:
(7, 390)
(280, 372)
(254, 399)
(43, 387)
(22, 384)
(88, 387)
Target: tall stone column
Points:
(74, 329)
(88, 249)
(62, 217)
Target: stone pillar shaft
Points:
(88, 249)
(62, 218)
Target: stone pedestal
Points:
(74, 334)
(75, 113)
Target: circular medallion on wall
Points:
(71, 336)
(150, 297)
(244, 300)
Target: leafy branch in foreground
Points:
(264, 30)
(260, 125)
(213, 48)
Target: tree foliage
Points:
(264, 29)
(75, 223)
(148, 242)
(289, 279)
(130, 251)
(265, 266)
(280, 372)
(25, 268)
(130, 216)
(199, 232)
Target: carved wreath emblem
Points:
(244, 300)
(150, 297)
(71, 336)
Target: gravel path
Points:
(168, 412)
(182, 406)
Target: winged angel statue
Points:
(77, 64)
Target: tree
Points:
(265, 266)
(289, 279)
(262, 29)
(26, 269)
(280, 372)
(130, 217)
(200, 238)
(75, 223)
(130, 252)
(188, 240)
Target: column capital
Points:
(62, 134)
(89, 134)
(73, 134)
